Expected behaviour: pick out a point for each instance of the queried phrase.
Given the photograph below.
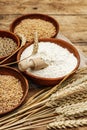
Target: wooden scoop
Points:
(34, 63)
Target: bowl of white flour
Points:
(62, 59)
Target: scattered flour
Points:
(60, 61)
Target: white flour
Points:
(60, 60)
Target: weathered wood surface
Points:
(71, 15)
(43, 6)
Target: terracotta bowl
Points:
(22, 79)
(17, 41)
(35, 16)
(51, 81)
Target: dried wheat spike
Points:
(73, 110)
(77, 76)
(63, 124)
(69, 86)
(35, 47)
(72, 99)
(74, 82)
(79, 87)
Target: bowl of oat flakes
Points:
(46, 26)
(13, 89)
(9, 43)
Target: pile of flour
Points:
(60, 61)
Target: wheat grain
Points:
(7, 46)
(31, 112)
(74, 98)
(63, 124)
(71, 91)
(35, 47)
(27, 27)
(10, 92)
(73, 110)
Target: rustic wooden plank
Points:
(83, 48)
(43, 6)
(73, 27)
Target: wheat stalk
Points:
(72, 90)
(41, 101)
(35, 48)
(19, 114)
(35, 124)
(63, 124)
(47, 113)
(74, 98)
(34, 106)
(23, 109)
(32, 111)
(73, 110)
(38, 117)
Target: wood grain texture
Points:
(43, 6)
(71, 15)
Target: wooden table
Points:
(71, 15)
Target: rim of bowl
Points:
(35, 15)
(56, 41)
(25, 91)
(13, 37)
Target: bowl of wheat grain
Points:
(26, 25)
(9, 44)
(54, 60)
(13, 89)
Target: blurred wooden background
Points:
(71, 15)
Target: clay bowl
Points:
(51, 81)
(35, 16)
(22, 79)
(16, 40)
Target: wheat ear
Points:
(74, 110)
(35, 48)
(67, 92)
(63, 124)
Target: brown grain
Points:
(7, 46)
(28, 27)
(10, 92)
